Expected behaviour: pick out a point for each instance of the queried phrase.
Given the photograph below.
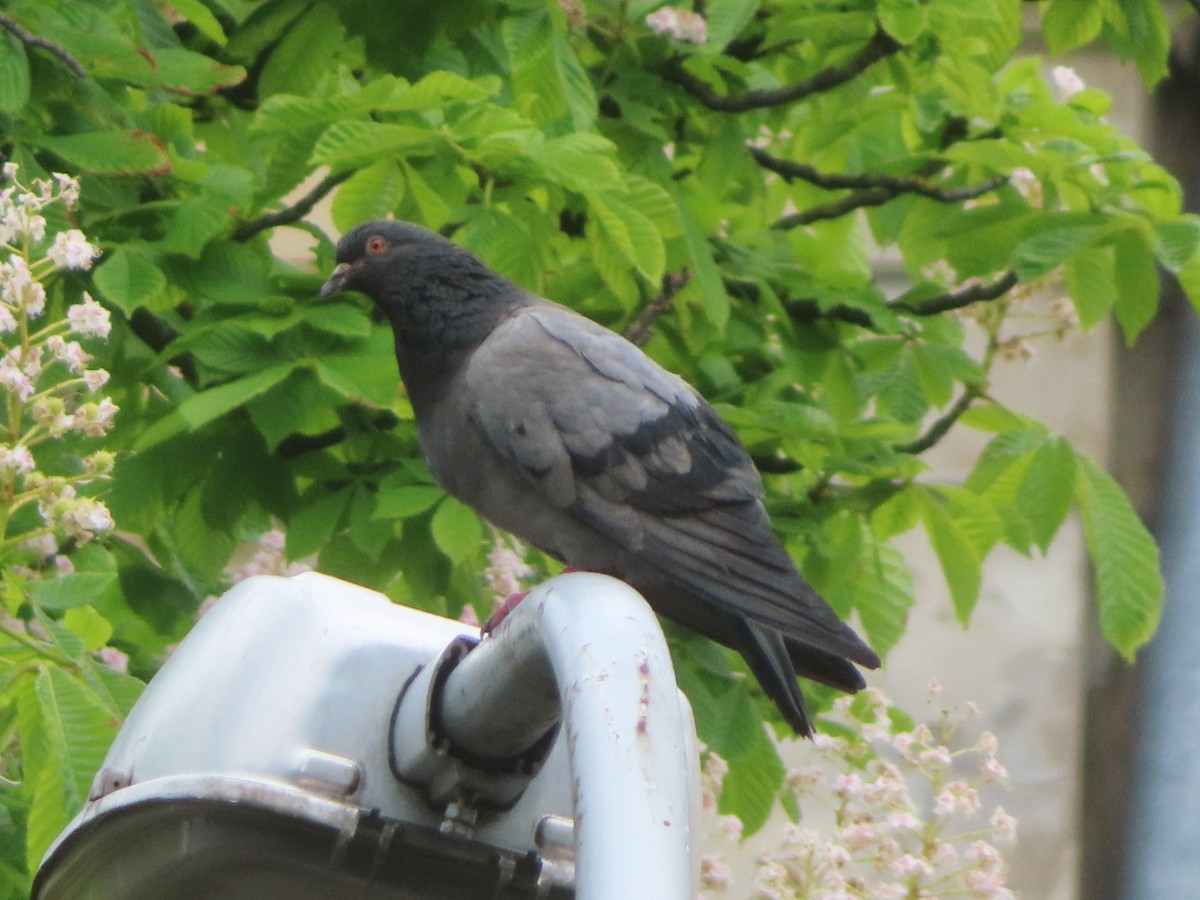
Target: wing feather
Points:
(650, 466)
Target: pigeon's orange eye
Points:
(376, 244)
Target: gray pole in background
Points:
(1163, 862)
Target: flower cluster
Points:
(1066, 83)
(903, 814)
(266, 556)
(506, 567)
(48, 389)
(679, 23)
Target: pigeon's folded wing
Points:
(630, 450)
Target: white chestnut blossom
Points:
(905, 809)
(1067, 83)
(52, 394)
(266, 556)
(89, 318)
(680, 23)
(71, 250)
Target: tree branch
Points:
(640, 328)
(836, 209)
(776, 464)
(960, 298)
(294, 213)
(908, 184)
(299, 444)
(809, 311)
(868, 189)
(880, 46)
(29, 39)
(941, 427)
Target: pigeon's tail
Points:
(821, 665)
(767, 655)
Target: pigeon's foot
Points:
(503, 608)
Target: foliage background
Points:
(726, 197)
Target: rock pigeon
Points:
(568, 436)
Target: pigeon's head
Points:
(373, 257)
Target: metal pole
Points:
(591, 645)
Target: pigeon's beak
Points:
(337, 281)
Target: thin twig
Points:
(290, 214)
(29, 39)
(909, 184)
(809, 311)
(960, 298)
(836, 209)
(640, 328)
(776, 464)
(299, 444)
(880, 46)
(941, 427)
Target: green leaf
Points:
(111, 152)
(1069, 24)
(368, 380)
(705, 272)
(202, 18)
(439, 89)
(1175, 243)
(91, 627)
(729, 724)
(118, 690)
(631, 234)
(726, 19)
(76, 589)
(992, 417)
(1189, 280)
(297, 405)
(576, 84)
(202, 408)
(456, 530)
(530, 41)
(1141, 32)
(1129, 585)
(1044, 252)
(905, 20)
(50, 811)
(959, 560)
(1137, 283)
(192, 73)
(301, 60)
(896, 515)
(752, 784)
(197, 221)
(435, 211)
(313, 527)
(885, 595)
(129, 278)
(1048, 489)
(406, 500)
(371, 193)
(341, 319)
(230, 348)
(581, 162)
(348, 145)
(14, 74)
(78, 728)
(1092, 283)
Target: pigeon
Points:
(565, 434)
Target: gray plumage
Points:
(567, 435)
